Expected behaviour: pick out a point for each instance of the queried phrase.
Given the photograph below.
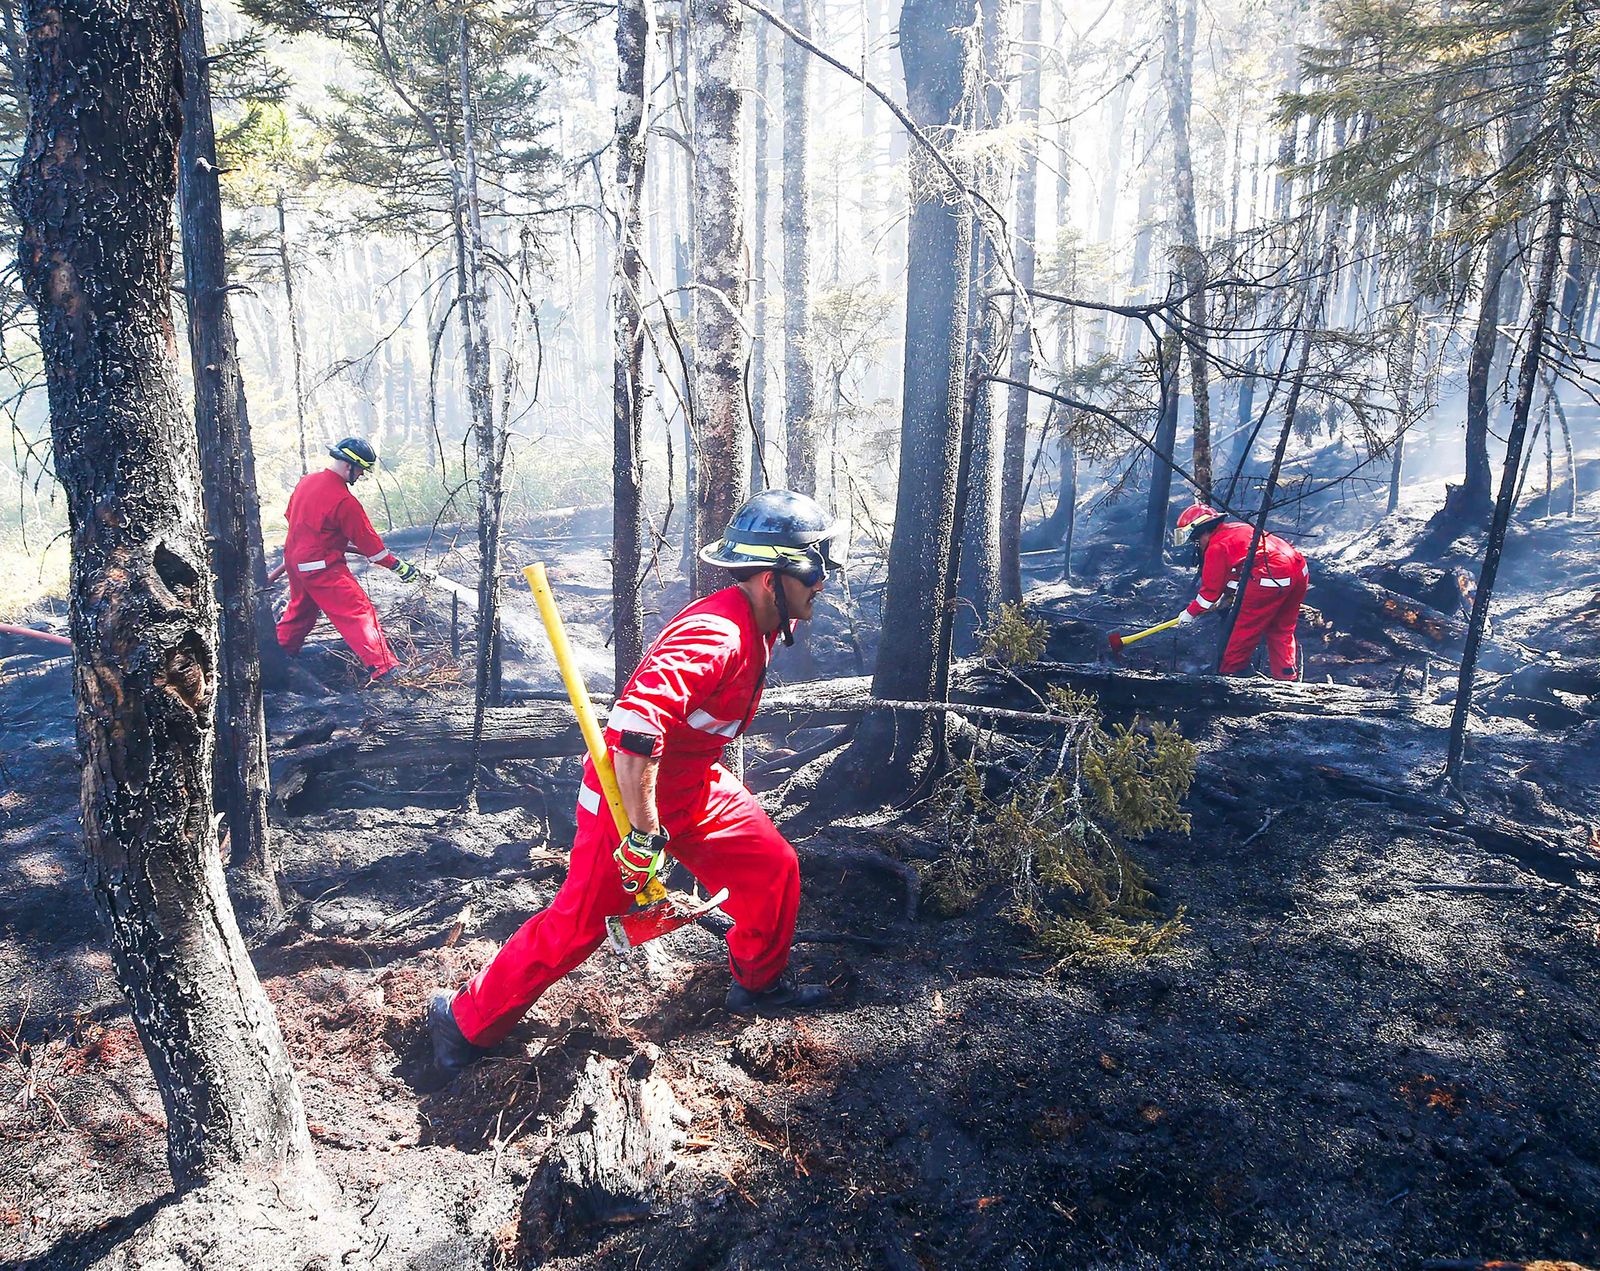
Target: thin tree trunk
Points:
(94, 194)
(1473, 496)
(758, 260)
(978, 510)
(1177, 76)
(635, 34)
(720, 284)
(1169, 357)
(799, 391)
(1016, 438)
(233, 513)
(286, 266)
(490, 443)
(936, 58)
(1544, 292)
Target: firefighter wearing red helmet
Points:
(1270, 606)
(325, 521)
(695, 690)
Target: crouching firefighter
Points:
(696, 689)
(1270, 605)
(325, 521)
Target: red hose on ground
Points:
(51, 636)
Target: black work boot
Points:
(783, 994)
(452, 1052)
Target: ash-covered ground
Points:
(1376, 1045)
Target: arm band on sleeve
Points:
(637, 743)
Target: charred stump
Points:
(615, 1147)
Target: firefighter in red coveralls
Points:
(326, 520)
(696, 689)
(1270, 607)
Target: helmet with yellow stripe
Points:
(359, 454)
(782, 531)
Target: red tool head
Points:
(1116, 642)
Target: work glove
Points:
(1185, 618)
(406, 570)
(640, 857)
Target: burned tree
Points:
(720, 285)
(800, 443)
(233, 509)
(634, 36)
(937, 60)
(1012, 477)
(94, 195)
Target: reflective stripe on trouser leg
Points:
(735, 845)
(1282, 649)
(298, 618)
(1256, 611)
(351, 611)
(552, 942)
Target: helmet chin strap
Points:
(781, 595)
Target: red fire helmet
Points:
(1194, 519)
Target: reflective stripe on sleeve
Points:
(588, 799)
(1204, 603)
(625, 719)
(379, 556)
(708, 723)
(311, 566)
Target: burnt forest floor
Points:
(1339, 1064)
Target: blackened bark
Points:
(758, 263)
(978, 505)
(1164, 445)
(720, 284)
(634, 37)
(1016, 435)
(233, 512)
(286, 268)
(1472, 498)
(94, 194)
(799, 388)
(1177, 76)
(1544, 292)
(936, 56)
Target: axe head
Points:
(1116, 642)
(658, 918)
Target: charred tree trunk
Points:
(1166, 441)
(720, 286)
(799, 389)
(758, 263)
(1016, 437)
(978, 510)
(634, 37)
(936, 58)
(94, 194)
(286, 268)
(1472, 496)
(1527, 380)
(1177, 75)
(489, 436)
(233, 513)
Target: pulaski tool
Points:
(1119, 641)
(655, 910)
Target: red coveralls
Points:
(696, 689)
(1271, 603)
(325, 519)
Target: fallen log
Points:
(442, 737)
(615, 1145)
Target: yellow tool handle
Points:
(588, 725)
(1156, 630)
